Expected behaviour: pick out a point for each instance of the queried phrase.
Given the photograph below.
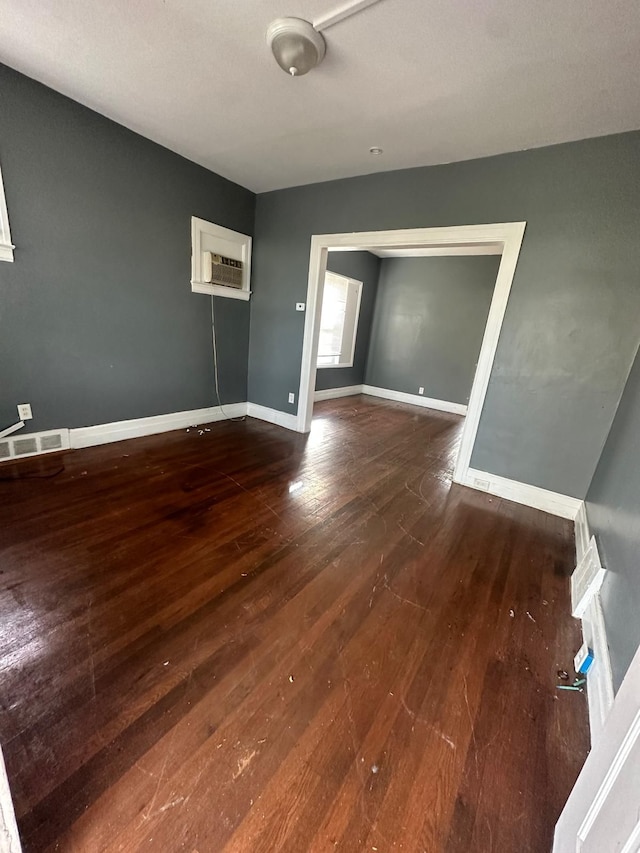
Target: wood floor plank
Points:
(245, 639)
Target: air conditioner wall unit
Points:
(225, 272)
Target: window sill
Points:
(332, 366)
(218, 290)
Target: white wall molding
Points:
(600, 677)
(415, 400)
(272, 416)
(582, 534)
(122, 430)
(9, 838)
(6, 246)
(600, 693)
(137, 427)
(334, 393)
(389, 394)
(523, 493)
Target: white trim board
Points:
(508, 235)
(9, 838)
(389, 394)
(6, 246)
(137, 427)
(334, 393)
(523, 493)
(272, 416)
(600, 693)
(415, 400)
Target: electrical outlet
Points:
(421, 390)
(300, 306)
(24, 411)
(292, 398)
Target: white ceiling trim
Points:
(437, 251)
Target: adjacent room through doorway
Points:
(403, 327)
(408, 315)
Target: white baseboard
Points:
(334, 393)
(9, 838)
(582, 534)
(415, 400)
(121, 430)
(600, 677)
(600, 693)
(273, 416)
(522, 493)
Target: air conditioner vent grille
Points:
(36, 443)
(53, 441)
(25, 445)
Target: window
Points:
(339, 321)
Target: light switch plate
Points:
(292, 397)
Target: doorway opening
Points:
(504, 239)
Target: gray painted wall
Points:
(570, 330)
(429, 321)
(97, 319)
(364, 267)
(613, 509)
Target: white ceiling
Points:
(431, 81)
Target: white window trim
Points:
(6, 246)
(198, 285)
(352, 354)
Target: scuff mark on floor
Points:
(243, 763)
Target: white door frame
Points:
(508, 235)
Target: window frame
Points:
(359, 287)
(217, 238)
(6, 246)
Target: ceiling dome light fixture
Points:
(376, 150)
(296, 44)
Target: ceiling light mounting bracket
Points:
(344, 10)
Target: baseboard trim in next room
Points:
(415, 400)
(334, 393)
(395, 396)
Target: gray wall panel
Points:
(97, 319)
(429, 321)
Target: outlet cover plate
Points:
(292, 397)
(24, 411)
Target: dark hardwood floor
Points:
(250, 640)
